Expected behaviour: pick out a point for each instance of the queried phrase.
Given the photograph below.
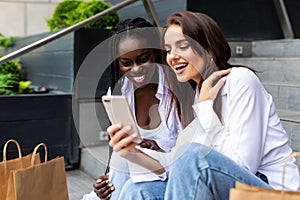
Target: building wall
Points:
(28, 17)
(22, 18)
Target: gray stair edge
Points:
(265, 58)
(94, 160)
(280, 48)
(288, 115)
(266, 48)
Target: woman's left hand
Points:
(211, 86)
(150, 144)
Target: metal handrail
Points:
(284, 19)
(63, 32)
(151, 12)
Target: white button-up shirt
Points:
(250, 131)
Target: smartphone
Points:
(118, 111)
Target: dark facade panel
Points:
(242, 20)
(293, 7)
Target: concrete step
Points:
(79, 183)
(291, 123)
(280, 77)
(286, 97)
(274, 70)
(94, 160)
(276, 48)
(266, 48)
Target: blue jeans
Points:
(198, 173)
(202, 173)
(118, 178)
(150, 190)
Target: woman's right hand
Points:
(122, 142)
(103, 188)
(211, 86)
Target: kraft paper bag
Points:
(6, 166)
(45, 180)
(243, 191)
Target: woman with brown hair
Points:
(237, 134)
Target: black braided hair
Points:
(133, 28)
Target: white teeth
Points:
(180, 66)
(138, 78)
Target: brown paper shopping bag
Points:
(243, 191)
(45, 180)
(8, 165)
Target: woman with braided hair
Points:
(136, 73)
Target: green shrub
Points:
(11, 79)
(5, 41)
(8, 84)
(70, 12)
(12, 67)
(11, 73)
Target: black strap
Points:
(110, 150)
(262, 177)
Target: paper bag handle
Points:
(5, 147)
(35, 152)
(293, 155)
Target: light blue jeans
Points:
(118, 178)
(198, 173)
(150, 190)
(202, 173)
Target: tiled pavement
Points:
(79, 184)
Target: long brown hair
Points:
(207, 39)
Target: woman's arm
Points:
(243, 135)
(248, 116)
(123, 144)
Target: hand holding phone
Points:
(118, 111)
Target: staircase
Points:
(279, 63)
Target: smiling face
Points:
(136, 60)
(181, 57)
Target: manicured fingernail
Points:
(112, 188)
(106, 181)
(99, 181)
(110, 184)
(119, 125)
(127, 128)
(134, 135)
